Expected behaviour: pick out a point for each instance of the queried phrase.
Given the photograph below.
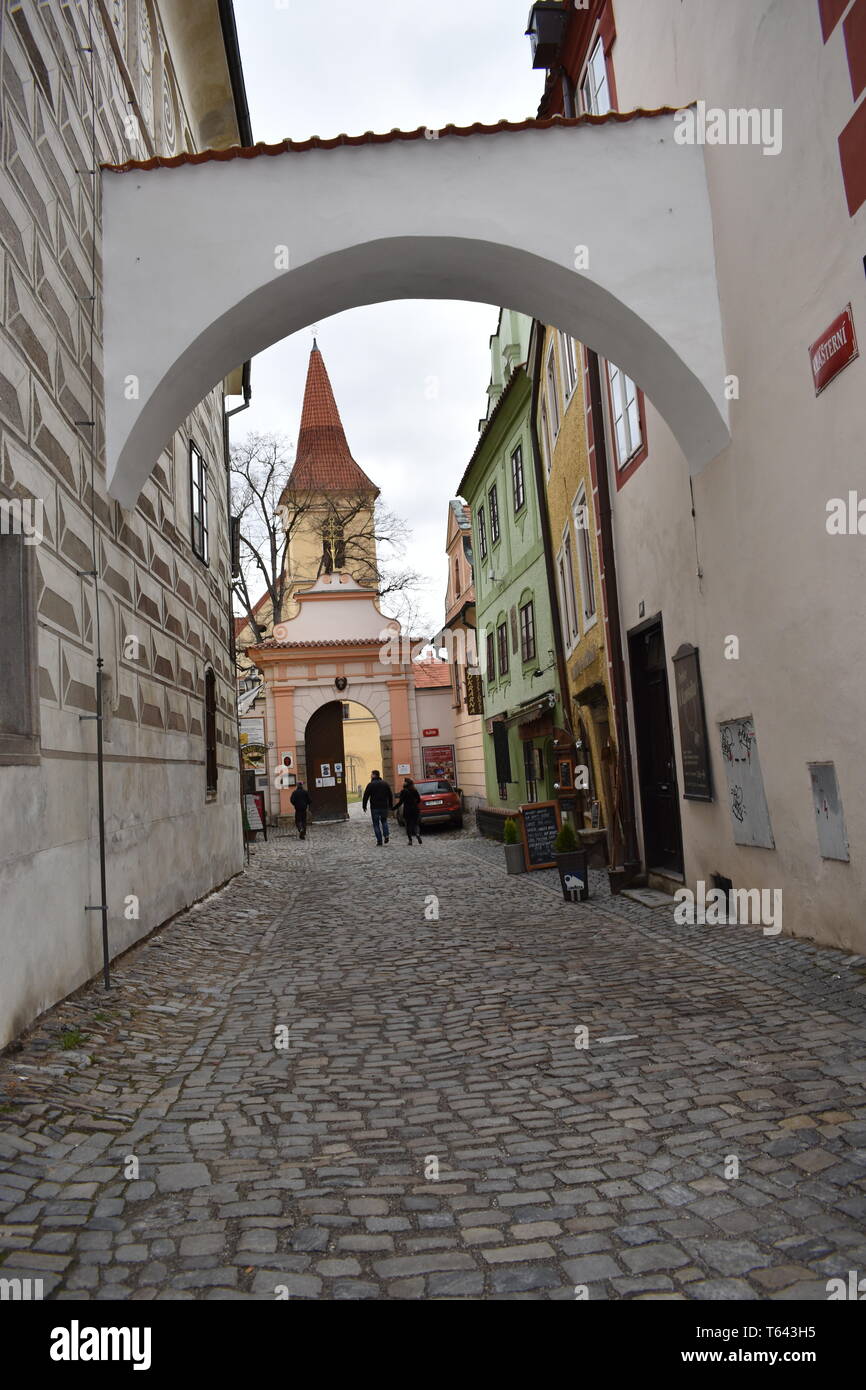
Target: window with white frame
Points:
(552, 396)
(545, 439)
(569, 365)
(198, 502)
(595, 89)
(625, 414)
(584, 557)
(567, 592)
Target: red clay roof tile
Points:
(371, 138)
(323, 462)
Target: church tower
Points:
(328, 504)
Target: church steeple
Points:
(323, 462)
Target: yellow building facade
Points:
(572, 510)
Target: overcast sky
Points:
(410, 377)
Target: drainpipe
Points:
(617, 665)
(541, 489)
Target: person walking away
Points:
(381, 799)
(410, 800)
(300, 799)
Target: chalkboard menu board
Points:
(697, 783)
(540, 822)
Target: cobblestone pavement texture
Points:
(307, 1172)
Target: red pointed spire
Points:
(323, 462)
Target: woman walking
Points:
(410, 800)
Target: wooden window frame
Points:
(23, 747)
(518, 480)
(493, 506)
(568, 360)
(211, 746)
(583, 543)
(502, 649)
(198, 485)
(482, 532)
(623, 470)
(527, 632)
(491, 658)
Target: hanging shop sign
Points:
(694, 747)
(831, 353)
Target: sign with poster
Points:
(539, 825)
(697, 781)
(338, 769)
(326, 781)
(430, 733)
(403, 769)
(252, 730)
(325, 769)
(254, 807)
(439, 762)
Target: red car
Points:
(439, 802)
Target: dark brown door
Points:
(323, 740)
(655, 750)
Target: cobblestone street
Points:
(308, 1172)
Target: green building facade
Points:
(522, 705)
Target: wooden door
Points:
(655, 750)
(323, 741)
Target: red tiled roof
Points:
(369, 137)
(323, 462)
(324, 642)
(430, 674)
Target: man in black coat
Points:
(410, 800)
(300, 799)
(381, 800)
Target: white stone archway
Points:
(277, 237)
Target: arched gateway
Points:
(278, 236)
(311, 668)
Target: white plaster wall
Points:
(789, 259)
(444, 223)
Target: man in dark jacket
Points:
(381, 800)
(300, 799)
(410, 800)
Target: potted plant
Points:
(571, 863)
(514, 862)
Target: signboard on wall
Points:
(697, 781)
(750, 815)
(831, 353)
(829, 817)
(439, 761)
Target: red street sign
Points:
(836, 347)
(430, 733)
